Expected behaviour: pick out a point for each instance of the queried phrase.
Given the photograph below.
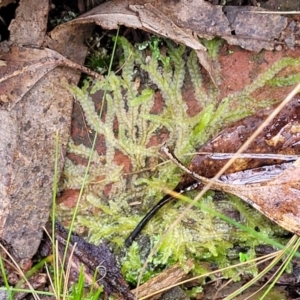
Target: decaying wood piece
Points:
(95, 259)
(164, 281)
(34, 106)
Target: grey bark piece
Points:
(199, 16)
(253, 31)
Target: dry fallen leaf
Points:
(154, 21)
(25, 67)
(34, 107)
(281, 136)
(111, 15)
(278, 198)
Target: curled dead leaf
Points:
(25, 67)
(278, 198)
(34, 108)
(147, 17)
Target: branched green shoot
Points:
(130, 106)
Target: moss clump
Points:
(130, 104)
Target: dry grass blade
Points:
(58, 272)
(50, 280)
(277, 12)
(144, 288)
(20, 272)
(68, 271)
(294, 241)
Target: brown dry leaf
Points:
(281, 136)
(278, 199)
(35, 106)
(164, 281)
(154, 21)
(111, 15)
(25, 67)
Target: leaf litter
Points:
(185, 37)
(275, 198)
